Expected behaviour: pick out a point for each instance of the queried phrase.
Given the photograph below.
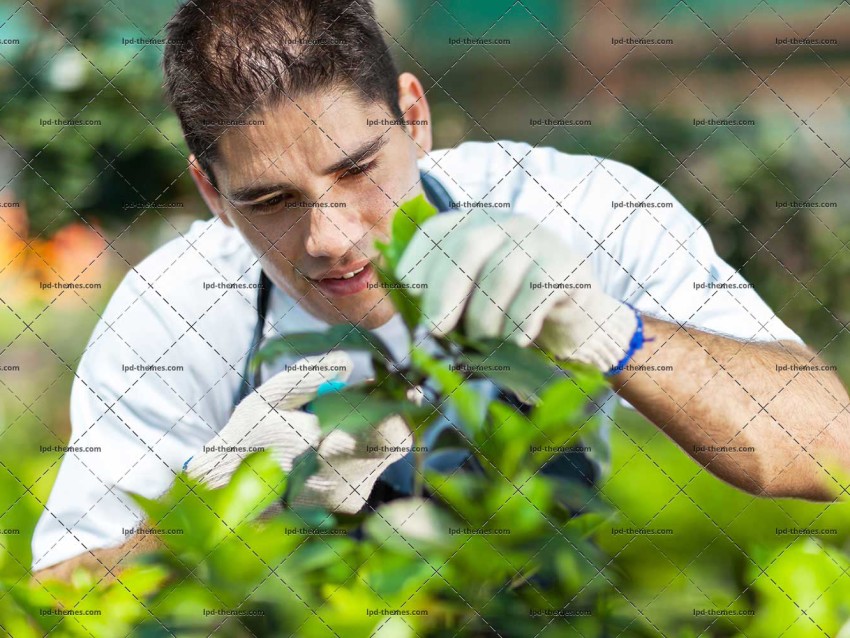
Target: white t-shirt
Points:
(649, 252)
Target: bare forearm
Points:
(706, 392)
(106, 562)
(109, 562)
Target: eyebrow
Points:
(354, 158)
(251, 193)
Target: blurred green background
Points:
(86, 203)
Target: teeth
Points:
(351, 274)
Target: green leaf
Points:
(586, 525)
(314, 558)
(402, 299)
(355, 409)
(303, 467)
(576, 497)
(397, 575)
(407, 219)
(255, 485)
(341, 337)
(524, 371)
(562, 403)
(562, 418)
(453, 387)
(507, 439)
(408, 521)
(802, 575)
(187, 506)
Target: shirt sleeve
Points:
(659, 258)
(131, 428)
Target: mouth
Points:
(353, 273)
(344, 283)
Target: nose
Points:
(329, 234)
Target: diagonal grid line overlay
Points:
(692, 255)
(795, 375)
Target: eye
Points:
(272, 202)
(361, 169)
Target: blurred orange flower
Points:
(31, 268)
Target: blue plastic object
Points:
(330, 386)
(325, 388)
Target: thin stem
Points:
(418, 477)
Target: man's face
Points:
(311, 189)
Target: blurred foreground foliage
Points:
(558, 571)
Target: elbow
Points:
(61, 571)
(793, 488)
(802, 476)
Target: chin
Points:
(378, 316)
(372, 315)
(368, 313)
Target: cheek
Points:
(378, 222)
(377, 214)
(272, 240)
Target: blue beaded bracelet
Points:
(638, 339)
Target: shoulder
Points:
(643, 245)
(588, 200)
(192, 300)
(489, 160)
(208, 252)
(185, 279)
(532, 176)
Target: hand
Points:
(270, 418)
(511, 278)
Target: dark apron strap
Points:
(436, 192)
(251, 380)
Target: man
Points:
(284, 107)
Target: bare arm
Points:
(785, 431)
(109, 562)
(103, 563)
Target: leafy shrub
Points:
(505, 549)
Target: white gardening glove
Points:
(486, 266)
(270, 418)
(350, 464)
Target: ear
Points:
(414, 108)
(210, 193)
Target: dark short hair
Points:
(225, 59)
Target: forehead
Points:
(295, 137)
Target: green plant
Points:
(507, 549)
(237, 570)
